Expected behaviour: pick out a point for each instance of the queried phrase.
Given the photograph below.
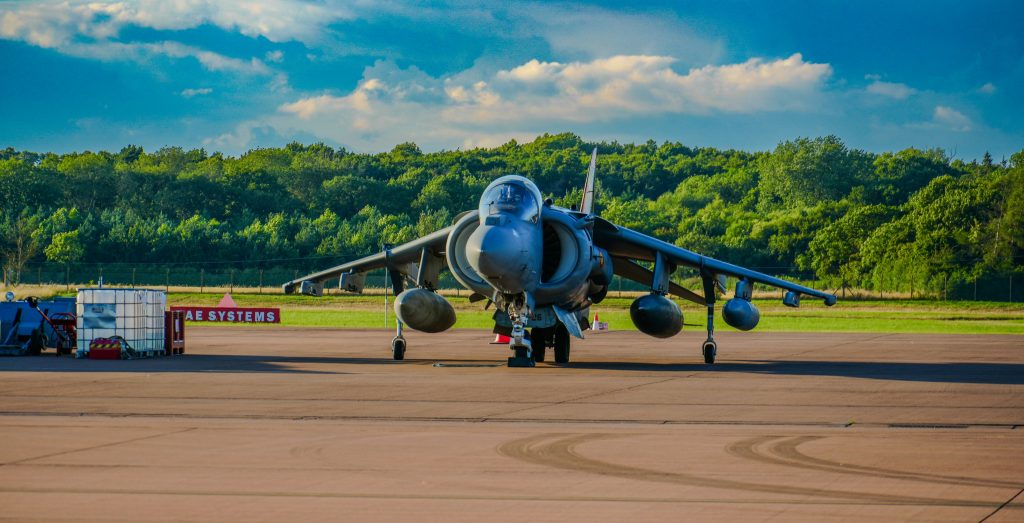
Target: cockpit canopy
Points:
(512, 196)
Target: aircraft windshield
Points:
(510, 198)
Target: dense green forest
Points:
(813, 205)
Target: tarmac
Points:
(284, 424)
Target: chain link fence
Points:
(213, 278)
(264, 279)
(222, 277)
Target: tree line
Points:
(812, 204)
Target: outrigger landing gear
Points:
(710, 348)
(398, 348)
(398, 344)
(520, 343)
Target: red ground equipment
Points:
(64, 323)
(106, 348)
(174, 332)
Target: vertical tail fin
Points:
(587, 204)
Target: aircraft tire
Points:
(398, 349)
(709, 350)
(539, 339)
(520, 359)
(562, 343)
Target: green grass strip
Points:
(883, 316)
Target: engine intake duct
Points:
(424, 310)
(656, 315)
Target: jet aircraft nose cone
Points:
(498, 253)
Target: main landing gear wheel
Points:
(398, 348)
(709, 350)
(539, 338)
(561, 344)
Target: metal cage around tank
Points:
(137, 315)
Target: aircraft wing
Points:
(403, 261)
(628, 268)
(621, 242)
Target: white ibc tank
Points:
(137, 315)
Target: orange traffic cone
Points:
(500, 339)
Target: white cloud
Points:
(279, 84)
(945, 118)
(51, 23)
(893, 90)
(189, 93)
(391, 105)
(592, 32)
(951, 118)
(617, 86)
(568, 30)
(307, 108)
(142, 52)
(210, 60)
(988, 88)
(532, 71)
(91, 29)
(236, 140)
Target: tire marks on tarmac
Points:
(561, 451)
(784, 451)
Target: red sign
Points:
(232, 314)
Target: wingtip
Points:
(831, 300)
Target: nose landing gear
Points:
(522, 348)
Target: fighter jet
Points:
(543, 266)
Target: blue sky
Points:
(231, 76)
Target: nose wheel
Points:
(522, 348)
(523, 356)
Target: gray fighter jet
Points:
(542, 266)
